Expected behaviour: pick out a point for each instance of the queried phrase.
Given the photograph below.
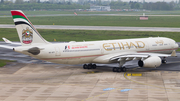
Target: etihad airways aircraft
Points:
(150, 52)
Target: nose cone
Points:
(176, 45)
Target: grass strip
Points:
(130, 21)
(37, 12)
(4, 62)
(89, 35)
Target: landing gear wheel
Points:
(94, 66)
(114, 69)
(119, 70)
(124, 69)
(85, 66)
(89, 66)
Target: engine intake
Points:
(151, 62)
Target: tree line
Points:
(147, 6)
(19, 4)
(40, 6)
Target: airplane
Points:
(150, 52)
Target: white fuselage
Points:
(97, 51)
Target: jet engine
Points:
(24, 50)
(151, 62)
(34, 50)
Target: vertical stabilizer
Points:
(28, 35)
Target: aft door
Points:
(57, 51)
(147, 46)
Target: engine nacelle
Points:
(34, 50)
(151, 62)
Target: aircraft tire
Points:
(85, 66)
(94, 66)
(89, 66)
(124, 69)
(114, 69)
(119, 70)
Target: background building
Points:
(100, 8)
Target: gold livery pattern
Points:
(123, 45)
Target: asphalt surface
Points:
(51, 82)
(160, 29)
(31, 79)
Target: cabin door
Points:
(147, 45)
(57, 51)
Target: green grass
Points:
(37, 12)
(89, 35)
(4, 62)
(133, 21)
(178, 50)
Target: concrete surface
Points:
(31, 79)
(115, 28)
(50, 82)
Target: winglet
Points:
(174, 53)
(6, 40)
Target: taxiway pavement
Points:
(52, 82)
(31, 79)
(115, 28)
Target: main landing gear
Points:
(119, 69)
(89, 66)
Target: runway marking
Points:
(116, 89)
(92, 72)
(101, 94)
(134, 74)
(147, 84)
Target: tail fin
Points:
(28, 35)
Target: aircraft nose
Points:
(176, 45)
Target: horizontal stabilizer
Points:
(7, 47)
(6, 40)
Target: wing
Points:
(139, 56)
(128, 56)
